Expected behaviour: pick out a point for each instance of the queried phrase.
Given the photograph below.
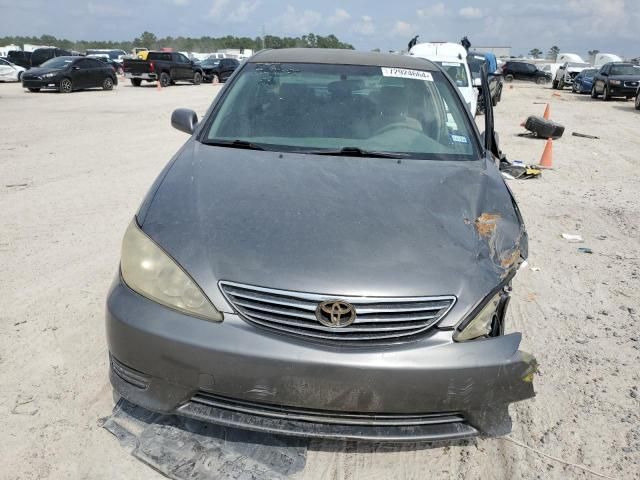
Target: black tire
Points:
(19, 76)
(594, 93)
(164, 80)
(544, 128)
(34, 90)
(554, 85)
(605, 94)
(499, 96)
(495, 100)
(107, 83)
(638, 101)
(197, 78)
(136, 82)
(508, 78)
(65, 85)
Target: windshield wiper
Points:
(354, 152)
(234, 144)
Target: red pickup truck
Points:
(164, 67)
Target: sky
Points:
(610, 26)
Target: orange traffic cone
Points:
(547, 112)
(546, 161)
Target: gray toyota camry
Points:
(330, 254)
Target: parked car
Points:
(616, 79)
(476, 61)
(452, 58)
(116, 65)
(218, 70)
(513, 70)
(20, 58)
(583, 82)
(10, 72)
(41, 55)
(113, 54)
(164, 67)
(566, 73)
(67, 74)
(330, 254)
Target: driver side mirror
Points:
(185, 120)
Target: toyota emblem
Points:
(335, 313)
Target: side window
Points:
(182, 59)
(84, 63)
(531, 68)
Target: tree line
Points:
(188, 44)
(555, 50)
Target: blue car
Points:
(584, 81)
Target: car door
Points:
(97, 71)
(6, 71)
(81, 73)
(185, 68)
(530, 72)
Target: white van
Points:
(452, 57)
(602, 58)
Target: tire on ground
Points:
(136, 82)
(544, 128)
(508, 78)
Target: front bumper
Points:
(622, 91)
(235, 374)
(40, 83)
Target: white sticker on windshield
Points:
(459, 139)
(406, 73)
(450, 64)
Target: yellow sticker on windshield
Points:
(406, 73)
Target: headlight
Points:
(49, 75)
(481, 325)
(148, 270)
(615, 82)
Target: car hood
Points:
(35, 72)
(625, 78)
(336, 225)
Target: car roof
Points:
(341, 57)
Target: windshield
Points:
(475, 64)
(589, 73)
(456, 71)
(209, 63)
(625, 70)
(58, 62)
(308, 107)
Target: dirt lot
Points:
(73, 170)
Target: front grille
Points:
(377, 318)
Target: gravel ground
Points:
(74, 168)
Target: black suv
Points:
(616, 79)
(41, 55)
(20, 58)
(524, 71)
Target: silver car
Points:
(330, 254)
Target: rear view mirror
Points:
(184, 120)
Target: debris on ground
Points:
(518, 170)
(585, 250)
(543, 128)
(584, 135)
(181, 448)
(572, 238)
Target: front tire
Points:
(197, 78)
(107, 84)
(606, 96)
(594, 93)
(638, 101)
(508, 78)
(136, 82)
(65, 85)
